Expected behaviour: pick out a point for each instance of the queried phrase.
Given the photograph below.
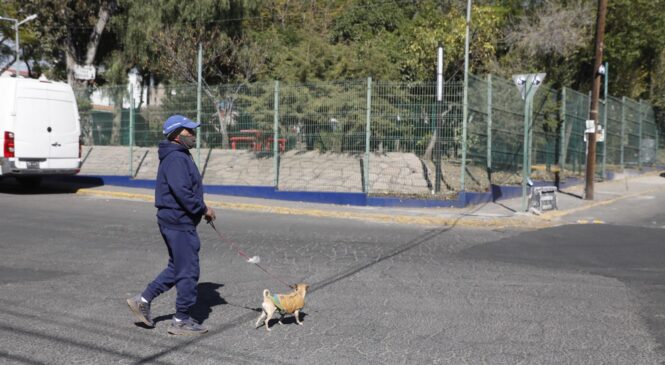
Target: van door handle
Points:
(56, 144)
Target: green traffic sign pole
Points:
(529, 162)
(525, 147)
(527, 84)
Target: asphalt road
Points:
(381, 294)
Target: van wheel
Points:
(29, 182)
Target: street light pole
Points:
(16, 38)
(18, 48)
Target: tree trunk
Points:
(71, 65)
(223, 126)
(102, 19)
(93, 43)
(430, 147)
(432, 141)
(8, 65)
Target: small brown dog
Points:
(290, 303)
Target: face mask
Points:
(188, 141)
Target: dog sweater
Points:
(288, 303)
(275, 301)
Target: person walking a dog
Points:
(180, 207)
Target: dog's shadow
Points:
(207, 298)
(288, 319)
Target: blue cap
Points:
(178, 121)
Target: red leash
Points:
(249, 259)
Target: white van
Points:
(39, 129)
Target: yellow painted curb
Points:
(489, 223)
(115, 194)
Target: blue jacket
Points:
(178, 189)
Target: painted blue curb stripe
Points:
(269, 192)
(498, 192)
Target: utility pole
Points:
(595, 94)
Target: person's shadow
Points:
(206, 299)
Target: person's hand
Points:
(210, 215)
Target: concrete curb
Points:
(462, 219)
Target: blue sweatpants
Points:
(182, 270)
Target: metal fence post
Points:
(367, 134)
(586, 149)
(465, 114)
(436, 155)
(623, 129)
(198, 106)
(489, 122)
(639, 143)
(605, 129)
(275, 142)
(131, 131)
(657, 144)
(562, 145)
(465, 105)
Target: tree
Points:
(447, 25)
(69, 32)
(634, 43)
(161, 38)
(28, 39)
(554, 37)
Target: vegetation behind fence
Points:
(395, 134)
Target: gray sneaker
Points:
(186, 327)
(141, 310)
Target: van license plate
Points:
(33, 164)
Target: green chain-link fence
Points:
(378, 137)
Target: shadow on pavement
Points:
(288, 319)
(47, 184)
(208, 297)
(350, 271)
(571, 194)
